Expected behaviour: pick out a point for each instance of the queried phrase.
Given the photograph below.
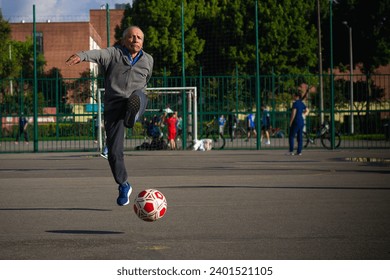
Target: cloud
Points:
(55, 10)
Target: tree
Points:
(288, 41)
(161, 23)
(16, 57)
(79, 91)
(5, 28)
(53, 87)
(220, 35)
(5, 39)
(370, 38)
(371, 33)
(16, 64)
(228, 30)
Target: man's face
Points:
(134, 40)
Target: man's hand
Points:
(73, 59)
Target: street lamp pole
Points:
(320, 63)
(351, 123)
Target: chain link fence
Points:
(67, 111)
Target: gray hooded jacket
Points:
(121, 78)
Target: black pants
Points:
(115, 140)
(115, 131)
(25, 134)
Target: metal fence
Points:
(67, 110)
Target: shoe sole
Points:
(104, 156)
(128, 197)
(133, 106)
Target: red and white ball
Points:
(150, 205)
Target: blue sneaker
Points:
(124, 194)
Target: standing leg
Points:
(267, 136)
(291, 136)
(20, 131)
(25, 135)
(300, 139)
(115, 141)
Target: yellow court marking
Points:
(155, 247)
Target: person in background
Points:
(298, 112)
(232, 125)
(171, 123)
(179, 127)
(266, 124)
(221, 124)
(251, 126)
(23, 123)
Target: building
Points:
(58, 40)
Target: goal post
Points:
(186, 105)
(180, 99)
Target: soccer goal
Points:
(182, 100)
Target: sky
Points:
(53, 10)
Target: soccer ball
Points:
(150, 205)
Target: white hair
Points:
(129, 28)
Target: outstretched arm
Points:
(101, 57)
(73, 59)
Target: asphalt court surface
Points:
(221, 205)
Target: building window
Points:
(39, 37)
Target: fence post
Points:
(236, 89)
(258, 99)
(273, 99)
(183, 82)
(331, 77)
(200, 98)
(35, 84)
(57, 105)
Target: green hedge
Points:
(49, 130)
(65, 130)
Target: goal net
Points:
(182, 100)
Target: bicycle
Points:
(276, 133)
(324, 133)
(210, 131)
(239, 132)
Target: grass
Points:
(365, 137)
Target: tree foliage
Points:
(16, 58)
(161, 23)
(5, 39)
(369, 21)
(288, 39)
(220, 35)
